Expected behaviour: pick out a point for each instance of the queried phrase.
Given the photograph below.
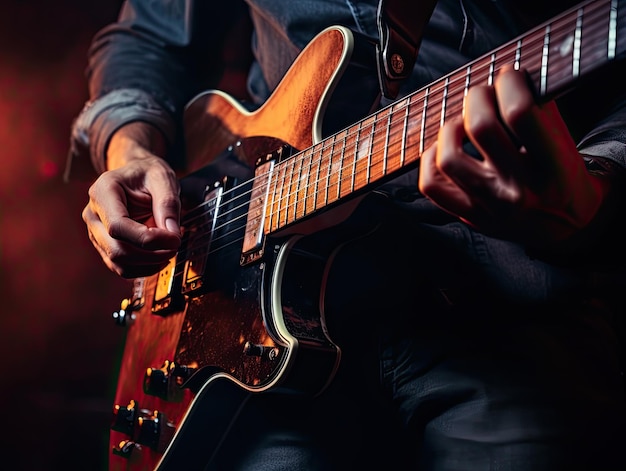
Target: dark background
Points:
(58, 343)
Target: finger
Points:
(118, 251)
(540, 128)
(164, 188)
(470, 188)
(111, 211)
(141, 236)
(438, 187)
(474, 176)
(122, 266)
(487, 132)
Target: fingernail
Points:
(172, 225)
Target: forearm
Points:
(134, 141)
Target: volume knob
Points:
(149, 430)
(125, 449)
(124, 418)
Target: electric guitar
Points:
(237, 311)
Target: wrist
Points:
(599, 243)
(132, 141)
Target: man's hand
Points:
(529, 183)
(133, 212)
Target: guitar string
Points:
(283, 199)
(359, 131)
(474, 72)
(283, 204)
(434, 91)
(535, 44)
(345, 138)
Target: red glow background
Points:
(58, 343)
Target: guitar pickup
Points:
(198, 238)
(254, 237)
(167, 295)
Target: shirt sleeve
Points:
(146, 67)
(608, 138)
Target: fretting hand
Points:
(529, 182)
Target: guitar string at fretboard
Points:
(359, 155)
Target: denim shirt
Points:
(179, 40)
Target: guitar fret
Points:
(270, 202)
(561, 54)
(578, 31)
(370, 151)
(299, 197)
(434, 114)
(307, 183)
(331, 176)
(386, 147)
(329, 168)
(444, 99)
(405, 125)
(289, 169)
(295, 187)
(518, 55)
(377, 147)
(304, 173)
(347, 161)
(328, 171)
(423, 127)
(505, 56)
(362, 160)
(341, 162)
(277, 202)
(612, 34)
(354, 142)
(395, 141)
(284, 197)
(492, 67)
(544, 62)
(314, 175)
(598, 34)
(290, 190)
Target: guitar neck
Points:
(556, 55)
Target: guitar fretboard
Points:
(555, 55)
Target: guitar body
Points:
(206, 332)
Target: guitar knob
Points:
(125, 316)
(155, 382)
(149, 430)
(180, 373)
(124, 418)
(166, 382)
(125, 449)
